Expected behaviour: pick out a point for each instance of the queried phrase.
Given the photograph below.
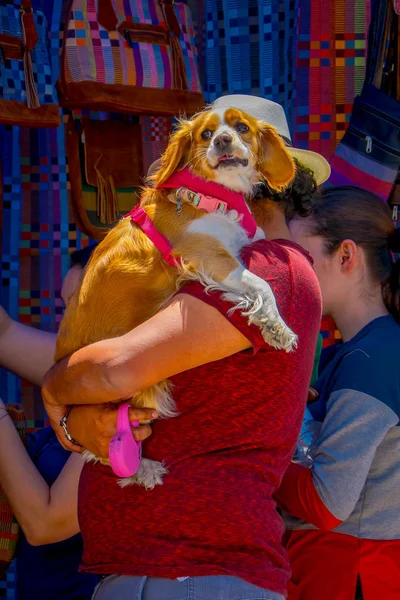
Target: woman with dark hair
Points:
(345, 507)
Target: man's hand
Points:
(93, 426)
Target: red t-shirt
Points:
(226, 452)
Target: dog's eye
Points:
(242, 128)
(207, 134)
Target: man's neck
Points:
(272, 220)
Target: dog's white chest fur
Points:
(225, 229)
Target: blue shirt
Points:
(356, 452)
(51, 572)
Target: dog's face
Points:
(230, 147)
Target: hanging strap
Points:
(30, 39)
(108, 19)
(30, 34)
(377, 38)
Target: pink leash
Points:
(125, 452)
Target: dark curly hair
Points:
(81, 257)
(296, 198)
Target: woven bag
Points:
(27, 95)
(134, 56)
(368, 156)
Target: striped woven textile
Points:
(95, 54)
(38, 231)
(250, 48)
(15, 71)
(330, 70)
(38, 236)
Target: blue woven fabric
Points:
(38, 231)
(250, 48)
(12, 77)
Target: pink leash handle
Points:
(125, 453)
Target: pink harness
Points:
(213, 197)
(205, 195)
(140, 217)
(124, 452)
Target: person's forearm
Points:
(29, 495)
(27, 352)
(83, 378)
(174, 340)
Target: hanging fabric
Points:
(137, 57)
(27, 94)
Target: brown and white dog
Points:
(127, 280)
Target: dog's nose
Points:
(222, 140)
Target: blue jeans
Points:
(219, 587)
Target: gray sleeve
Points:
(354, 426)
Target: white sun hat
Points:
(273, 114)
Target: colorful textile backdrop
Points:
(297, 52)
(308, 55)
(331, 62)
(38, 232)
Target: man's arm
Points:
(186, 334)
(27, 352)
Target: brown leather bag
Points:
(105, 169)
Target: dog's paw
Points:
(259, 306)
(90, 457)
(150, 474)
(264, 313)
(277, 334)
(255, 299)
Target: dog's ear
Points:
(275, 163)
(176, 154)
